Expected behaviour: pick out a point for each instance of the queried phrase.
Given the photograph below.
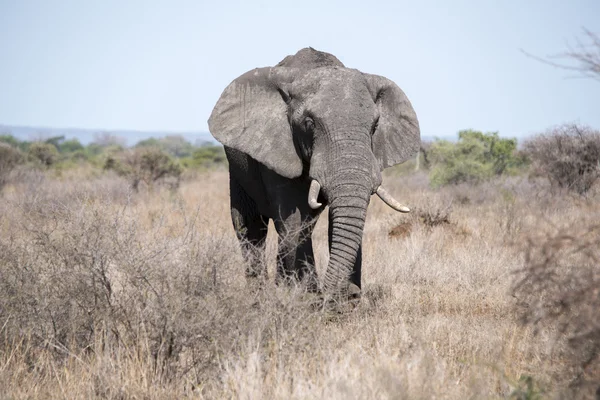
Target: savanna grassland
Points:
(113, 293)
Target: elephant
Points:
(299, 136)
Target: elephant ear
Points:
(251, 116)
(397, 136)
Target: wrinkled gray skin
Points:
(310, 118)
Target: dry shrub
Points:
(567, 155)
(79, 266)
(494, 190)
(147, 165)
(401, 230)
(559, 288)
(433, 213)
(110, 293)
(95, 279)
(10, 157)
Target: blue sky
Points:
(161, 65)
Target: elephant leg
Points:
(295, 257)
(305, 260)
(251, 230)
(355, 274)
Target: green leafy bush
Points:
(44, 153)
(174, 145)
(22, 145)
(71, 146)
(206, 156)
(474, 158)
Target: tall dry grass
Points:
(106, 293)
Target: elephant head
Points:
(311, 117)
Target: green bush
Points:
(9, 139)
(56, 141)
(70, 146)
(207, 156)
(44, 153)
(174, 145)
(13, 141)
(474, 158)
(94, 149)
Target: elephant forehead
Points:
(320, 78)
(334, 87)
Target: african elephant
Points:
(307, 133)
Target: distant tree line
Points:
(149, 160)
(58, 149)
(568, 156)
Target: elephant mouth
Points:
(384, 195)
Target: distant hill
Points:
(86, 136)
(432, 138)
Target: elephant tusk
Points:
(390, 201)
(313, 194)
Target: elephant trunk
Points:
(352, 177)
(348, 211)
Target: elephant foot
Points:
(353, 291)
(342, 300)
(346, 292)
(352, 296)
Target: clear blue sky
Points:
(161, 65)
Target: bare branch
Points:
(585, 55)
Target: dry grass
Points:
(106, 293)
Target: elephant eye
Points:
(309, 124)
(374, 127)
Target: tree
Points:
(22, 145)
(567, 155)
(70, 146)
(584, 57)
(10, 140)
(44, 153)
(476, 157)
(175, 145)
(150, 142)
(106, 139)
(145, 164)
(10, 157)
(208, 155)
(56, 141)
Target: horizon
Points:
(161, 68)
(87, 135)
